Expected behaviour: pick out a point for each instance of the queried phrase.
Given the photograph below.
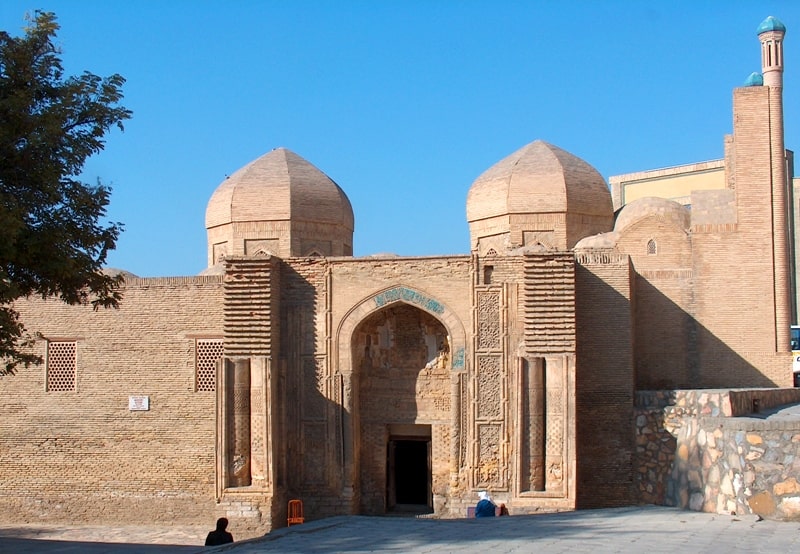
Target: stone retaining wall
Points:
(714, 451)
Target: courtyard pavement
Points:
(650, 529)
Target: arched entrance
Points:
(430, 418)
(401, 358)
(425, 413)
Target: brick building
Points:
(291, 369)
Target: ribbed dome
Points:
(279, 185)
(539, 178)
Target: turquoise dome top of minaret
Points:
(771, 24)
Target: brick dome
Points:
(661, 208)
(536, 180)
(282, 205)
(280, 185)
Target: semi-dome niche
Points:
(279, 205)
(540, 196)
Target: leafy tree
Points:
(53, 235)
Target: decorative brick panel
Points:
(61, 365)
(549, 303)
(250, 306)
(207, 353)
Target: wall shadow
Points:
(675, 351)
(647, 342)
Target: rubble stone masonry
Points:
(711, 451)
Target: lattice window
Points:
(61, 365)
(207, 353)
(652, 249)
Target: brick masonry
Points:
(517, 366)
(83, 456)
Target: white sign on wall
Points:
(138, 403)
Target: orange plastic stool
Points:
(295, 513)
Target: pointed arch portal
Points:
(399, 353)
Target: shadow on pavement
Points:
(29, 540)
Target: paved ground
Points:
(628, 530)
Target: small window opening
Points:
(61, 365)
(651, 248)
(487, 274)
(207, 353)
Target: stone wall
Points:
(714, 451)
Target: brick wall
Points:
(604, 380)
(83, 456)
(735, 302)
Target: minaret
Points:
(771, 33)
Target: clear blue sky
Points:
(402, 103)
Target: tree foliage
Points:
(53, 235)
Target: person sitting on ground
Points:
(219, 535)
(485, 507)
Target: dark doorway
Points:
(409, 475)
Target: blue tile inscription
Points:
(411, 296)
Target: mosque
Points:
(290, 369)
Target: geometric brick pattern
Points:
(488, 320)
(61, 366)
(207, 353)
(488, 457)
(489, 389)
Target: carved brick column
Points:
(259, 422)
(239, 437)
(533, 423)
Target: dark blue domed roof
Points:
(771, 24)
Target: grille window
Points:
(61, 365)
(207, 354)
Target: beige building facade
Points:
(292, 370)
